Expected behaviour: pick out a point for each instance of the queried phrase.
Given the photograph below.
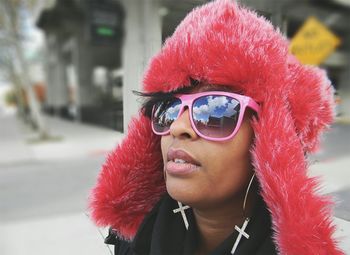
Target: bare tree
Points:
(10, 74)
(11, 27)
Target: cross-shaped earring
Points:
(245, 224)
(183, 214)
(241, 233)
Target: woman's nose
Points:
(182, 128)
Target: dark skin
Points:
(216, 190)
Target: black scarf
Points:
(163, 233)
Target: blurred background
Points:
(67, 69)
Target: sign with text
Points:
(105, 23)
(313, 43)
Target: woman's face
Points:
(222, 170)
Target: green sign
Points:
(105, 31)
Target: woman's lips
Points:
(179, 162)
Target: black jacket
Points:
(163, 233)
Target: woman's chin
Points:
(184, 192)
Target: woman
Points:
(216, 162)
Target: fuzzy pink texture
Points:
(311, 102)
(222, 43)
(128, 188)
(301, 217)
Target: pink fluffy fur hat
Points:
(223, 43)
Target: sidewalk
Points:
(18, 143)
(74, 233)
(12, 141)
(71, 234)
(72, 140)
(335, 181)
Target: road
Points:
(45, 189)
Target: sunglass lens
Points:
(216, 116)
(164, 114)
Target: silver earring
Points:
(246, 221)
(183, 214)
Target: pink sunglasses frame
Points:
(188, 99)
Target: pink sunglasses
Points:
(214, 115)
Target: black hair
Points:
(152, 98)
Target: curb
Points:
(342, 120)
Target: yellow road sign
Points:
(313, 43)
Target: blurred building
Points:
(83, 60)
(98, 50)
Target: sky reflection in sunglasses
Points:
(214, 115)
